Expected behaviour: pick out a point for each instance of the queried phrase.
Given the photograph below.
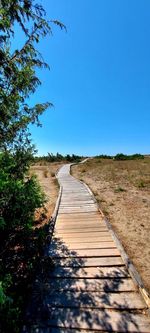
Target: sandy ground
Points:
(122, 189)
(46, 176)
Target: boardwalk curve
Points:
(90, 287)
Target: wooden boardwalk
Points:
(91, 289)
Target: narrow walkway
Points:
(91, 289)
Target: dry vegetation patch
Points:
(122, 189)
(45, 173)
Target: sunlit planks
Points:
(90, 289)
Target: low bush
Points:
(57, 158)
(104, 156)
(123, 157)
(19, 245)
(18, 197)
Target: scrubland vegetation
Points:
(58, 158)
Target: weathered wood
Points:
(65, 252)
(78, 221)
(90, 272)
(84, 234)
(102, 320)
(90, 240)
(92, 285)
(77, 210)
(81, 215)
(77, 246)
(82, 225)
(89, 281)
(88, 262)
(80, 229)
(96, 300)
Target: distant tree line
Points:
(121, 157)
(104, 156)
(58, 158)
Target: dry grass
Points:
(122, 189)
(45, 173)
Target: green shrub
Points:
(104, 156)
(122, 157)
(57, 158)
(18, 198)
(141, 184)
(119, 189)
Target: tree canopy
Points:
(18, 78)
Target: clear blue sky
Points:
(99, 80)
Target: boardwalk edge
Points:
(55, 212)
(128, 263)
(131, 268)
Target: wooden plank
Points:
(79, 208)
(77, 219)
(108, 320)
(96, 300)
(92, 285)
(39, 329)
(77, 246)
(90, 280)
(67, 211)
(80, 205)
(73, 200)
(81, 224)
(80, 220)
(94, 214)
(80, 229)
(81, 216)
(90, 272)
(73, 204)
(69, 229)
(71, 330)
(73, 225)
(88, 262)
(64, 252)
(84, 234)
(82, 240)
(83, 227)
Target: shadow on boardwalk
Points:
(67, 299)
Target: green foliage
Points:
(18, 198)
(122, 157)
(58, 158)
(104, 156)
(141, 184)
(3, 297)
(18, 69)
(19, 195)
(119, 189)
(9, 312)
